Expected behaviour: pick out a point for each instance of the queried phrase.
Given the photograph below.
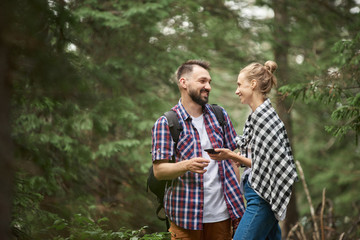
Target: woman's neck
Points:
(256, 102)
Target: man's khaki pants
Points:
(212, 231)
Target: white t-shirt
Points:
(215, 209)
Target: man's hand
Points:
(197, 165)
(163, 170)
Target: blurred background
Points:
(82, 83)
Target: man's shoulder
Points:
(217, 110)
(213, 106)
(163, 119)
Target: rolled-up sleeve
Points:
(162, 143)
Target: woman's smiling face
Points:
(244, 89)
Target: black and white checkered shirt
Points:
(273, 167)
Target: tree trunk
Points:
(281, 45)
(6, 153)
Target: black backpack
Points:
(158, 186)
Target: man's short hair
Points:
(187, 67)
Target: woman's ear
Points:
(253, 84)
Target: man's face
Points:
(198, 83)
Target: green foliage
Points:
(324, 87)
(339, 87)
(81, 227)
(87, 90)
(90, 78)
(348, 114)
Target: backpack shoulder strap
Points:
(174, 127)
(219, 115)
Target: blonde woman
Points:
(265, 153)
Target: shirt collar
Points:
(263, 107)
(185, 115)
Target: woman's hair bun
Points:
(271, 66)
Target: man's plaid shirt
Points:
(184, 199)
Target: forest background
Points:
(82, 83)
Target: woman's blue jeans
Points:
(259, 221)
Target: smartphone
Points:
(211, 151)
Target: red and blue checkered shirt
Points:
(184, 199)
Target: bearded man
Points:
(203, 200)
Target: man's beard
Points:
(196, 97)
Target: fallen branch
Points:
(292, 230)
(342, 236)
(322, 215)
(312, 211)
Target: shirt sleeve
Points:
(162, 143)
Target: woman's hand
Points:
(238, 164)
(222, 154)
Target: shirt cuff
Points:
(158, 155)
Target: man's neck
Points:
(191, 107)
